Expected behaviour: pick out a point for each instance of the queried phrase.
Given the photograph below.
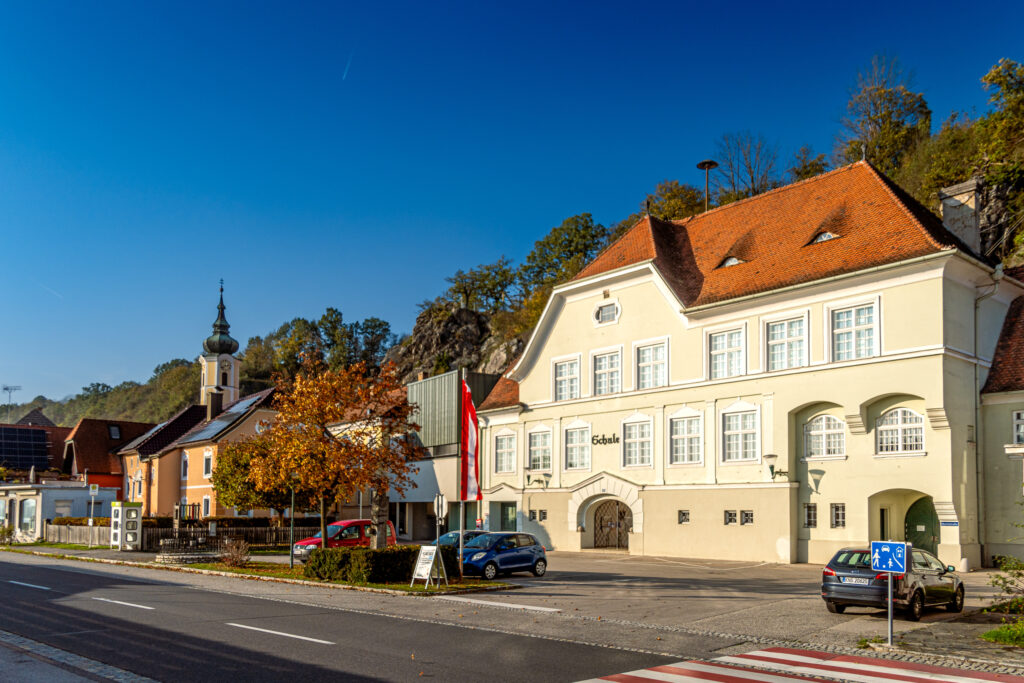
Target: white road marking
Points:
(279, 633)
(491, 603)
(30, 585)
(126, 604)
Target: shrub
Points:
(450, 555)
(236, 552)
(81, 521)
(6, 535)
(393, 564)
(1011, 581)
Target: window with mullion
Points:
(686, 441)
(577, 448)
(787, 344)
(567, 380)
(650, 362)
(1018, 426)
(739, 436)
(540, 451)
(900, 430)
(636, 444)
(853, 333)
(505, 453)
(606, 373)
(726, 349)
(824, 436)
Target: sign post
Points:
(94, 490)
(891, 558)
(440, 512)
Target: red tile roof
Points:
(1007, 373)
(91, 446)
(875, 223)
(504, 394)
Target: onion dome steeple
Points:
(220, 341)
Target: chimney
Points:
(214, 404)
(960, 212)
(421, 376)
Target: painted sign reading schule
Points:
(604, 439)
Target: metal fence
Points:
(257, 537)
(83, 535)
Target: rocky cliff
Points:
(447, 337)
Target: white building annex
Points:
(771, 380)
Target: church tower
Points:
(220, 368)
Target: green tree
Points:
(884, 120)
(563, 252)
(294, 343)
(807, 165)
(235, 488)
(489, 287)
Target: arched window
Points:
(27, 516)
(900, 430)
(825, 437)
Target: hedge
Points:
(393, 564)
(162, 522)
(260, 522)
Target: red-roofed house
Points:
(91, 448)
(770, 380)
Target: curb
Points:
(272, 579)
(885, 648)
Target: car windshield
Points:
(332, 532)
(450, 538)
(853, 558)
(484, 541)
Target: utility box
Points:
(126, 525)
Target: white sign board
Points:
(94, 489)
(424, 562)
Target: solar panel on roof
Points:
(222, 421)
(22, 449)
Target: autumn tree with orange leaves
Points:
(338, 432)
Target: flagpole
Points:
(462, 524)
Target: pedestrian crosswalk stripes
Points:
(785, 665)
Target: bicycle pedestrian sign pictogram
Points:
(888, 556)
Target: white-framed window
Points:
(606, 313)
(825, 437)
(208, 463)
(637, 444)
(726, 353)
(505, 453)
(540, 451)
(577, 448)
(787, 344)
(900, 430)
(854, 332)
(810, 515)
(206, 506)
(685, 437)
(739, 436)
(567, 380)
(651, 366)
(607, 373)
(837, 515)
(1018, 426)
(184, 465)
(27, 515)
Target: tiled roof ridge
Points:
(885, 182)
(768, 193)
(645, 219)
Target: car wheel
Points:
(958, 601)
(834, 608)
(916, 607)
(490, 571)
(540, 568)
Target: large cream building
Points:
(771, 380)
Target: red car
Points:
(349, 532)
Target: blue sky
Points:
(335, 154)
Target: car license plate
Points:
(859, 582)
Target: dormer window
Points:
(730, 261)
(114, 431)
(824, 237)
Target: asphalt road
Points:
(174, 632)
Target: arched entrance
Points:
(613, 521)
(922, 525)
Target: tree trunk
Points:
(379, 517)
(323, 523)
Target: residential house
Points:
(90, 450)
(771, 380)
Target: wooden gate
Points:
(612, 523)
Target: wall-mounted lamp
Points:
(771, 459)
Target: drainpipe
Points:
(979, 451)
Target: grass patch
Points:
(1010, 633)
(282, 571)
(865, 643)
(64, 546)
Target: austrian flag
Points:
(470, 455)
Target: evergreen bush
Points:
(393, 564)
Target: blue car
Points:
(503, 553)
